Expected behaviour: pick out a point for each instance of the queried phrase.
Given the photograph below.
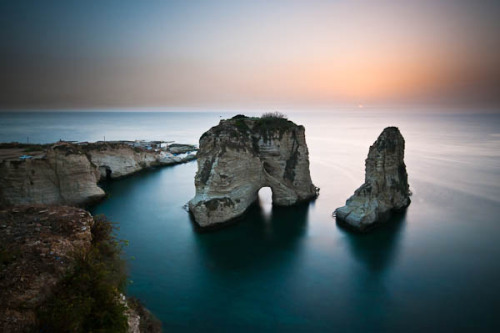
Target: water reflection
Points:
(256, 239)
(242, 269)
(378, 249)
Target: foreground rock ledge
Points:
(240, 156)
(36, 247)
(39, 246)
(386, 186)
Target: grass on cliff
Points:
(87, 298)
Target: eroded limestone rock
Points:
(386, 186)
(67, 173)
(240, 156)
(63, 175)
(120, 160)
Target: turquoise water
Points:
(433, 268)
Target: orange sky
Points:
(245, 54)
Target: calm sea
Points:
(434, 268)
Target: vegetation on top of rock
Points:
(267, 126)
(240, 116)
(273, 122)
(241, 125)
(274, 114)
(88, 297)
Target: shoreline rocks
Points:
(385, 189)
(240, 156)
(69, 173)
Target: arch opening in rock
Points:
(265, 197)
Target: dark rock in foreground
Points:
(240, 156)
(386, 186)
(36, 248)
(51, 260)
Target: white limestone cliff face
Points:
(385, 188)
(119, 160)
(239, 157)
(68, 174)
(62, 176)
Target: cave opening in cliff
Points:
(105, 172)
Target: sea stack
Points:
(386, 186)
(240, 156)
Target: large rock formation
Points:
(240, 156)
(68, 174)
(386, 186)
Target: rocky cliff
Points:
(68, 174)
(56, 263)
(62, 175)
(386, 186)
(115, 160)
(240, 156)
(36, 244)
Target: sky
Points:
(248, 54)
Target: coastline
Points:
(45, 236)
(69, 173)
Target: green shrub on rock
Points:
(87, 299)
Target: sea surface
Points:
(435, 267)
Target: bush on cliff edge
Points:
(87, 298)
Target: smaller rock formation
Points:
(240, 156)
(386, 186)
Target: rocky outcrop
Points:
(42, 249)
(67, 174)
(240, 156)
(36, 248)
(116, 160)
(386, 186)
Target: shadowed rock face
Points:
(386, 186)
(37, 244)
(240, 156)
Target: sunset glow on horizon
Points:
(68, 54)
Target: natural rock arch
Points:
(240, 156)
